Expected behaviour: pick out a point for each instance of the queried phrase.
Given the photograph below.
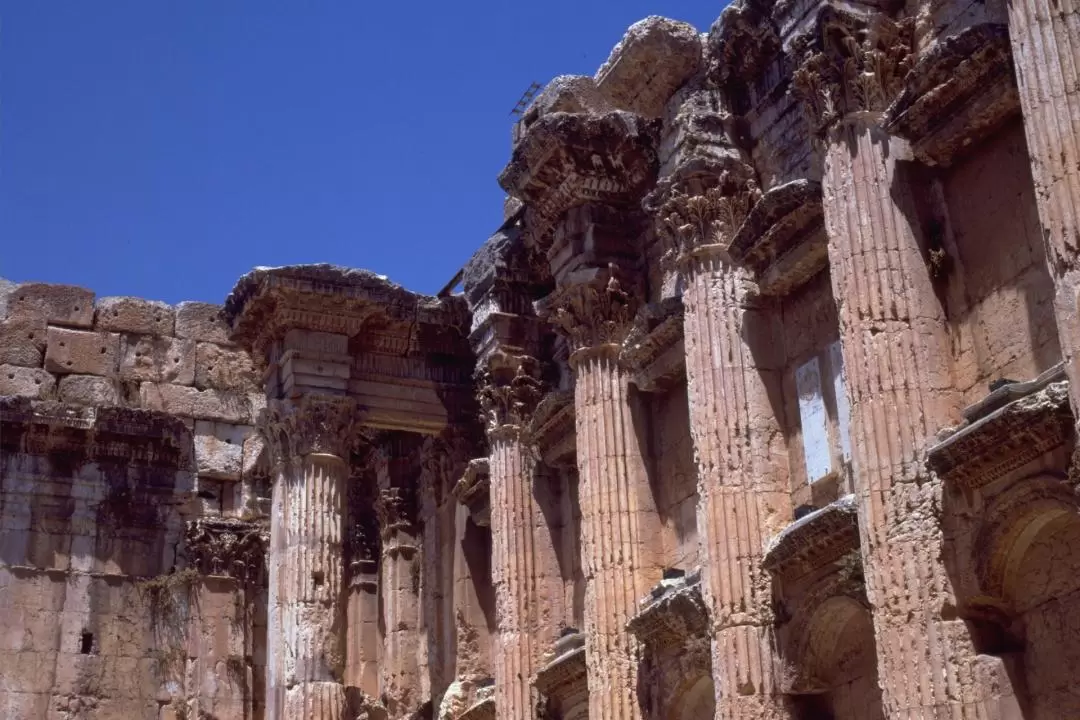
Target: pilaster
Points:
(897, 356)
(309, 439)
(733, 380)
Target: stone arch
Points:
(1029, 509)
(697, 699)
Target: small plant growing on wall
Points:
(169, 599)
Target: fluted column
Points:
(1045, 40)
(310, 440)
(523, 563)
(733, 377)
(399, 583)
(619, 524)
(898, 363)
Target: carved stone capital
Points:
(850, 64)
(313, 424)
(596, 313)
(228, 547)
(508, 390)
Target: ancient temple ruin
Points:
(757, 403)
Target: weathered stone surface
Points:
(82, 352)
(202, 322)
(22, 340)
(59, 304)
(156, 358)
(189, 402)
(224, 368)
(26, 382)
(134, 315)
(88, 390)
(219, 449)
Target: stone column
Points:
(619, 524)
(362, 544)
(523, 563)
(733, 375)
(310, 440)
(897, 356)
(399, 582)
(1046, 52)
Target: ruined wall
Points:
(126, 419)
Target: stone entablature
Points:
(562, 679)
(815, 540)
(673, 616)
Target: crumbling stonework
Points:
(758, 403)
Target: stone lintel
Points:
(782, 241)
(654, 349)
(814, 541)
(1006, 437)
(228, 547)
(103, 434)
(568, 159)
(653, 59)
(552, 429)
(563, 678)
(672, 615)
(473, 491)
(959, 93)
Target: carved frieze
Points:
(961, 91)
(814, 541)
(326, 424)
(1000, 438)
(849, 64)
(230, 547)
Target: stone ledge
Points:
(565, 674)
(958, 94)
(673, 613)
(473, 491)
(553, 430)
(782, 241)
(654, 349)
(815, 540)
(1003, 434)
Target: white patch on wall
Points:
(843, 410)
(815, 421)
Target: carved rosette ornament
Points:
(851, 65)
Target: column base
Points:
(315, 701)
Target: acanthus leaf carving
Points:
(313, 424)
(509, 401)
(594, 314)
(227, 547)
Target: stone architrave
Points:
(1045, 41)
(309, 440)
(619, 524)
(896, 353)
(523, 561)
(738, 445)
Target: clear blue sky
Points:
(162, 148)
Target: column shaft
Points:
(619, 532)
(897, 357)
(401, 607)
(1046, 51)
(742, 481)
(310, 604)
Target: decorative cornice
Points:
(673, 615)
(325, 424)
(1000, 438)
(814, 541)
(565, 673)
(960, 92)
(653, 350)
(228, 547)
(742, 43)
(850, 64)
(552, 429)
(782, 240)
(473, 491)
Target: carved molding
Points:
(228, 547)
(814, 541)
(673, 616)
(553, 431)
(850, 64)
(563, 677)
(653, 350)
(313, 424)
(473, 491)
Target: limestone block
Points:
(232, 407)
(22, 341)
(224, 369)
(254, 450)
(88, 390)
(155, 358)
(201, 321)
(59, 304)
(135, 315)
(219, 449)
(82, 352)
(28, 382)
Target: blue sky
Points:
(162, 148)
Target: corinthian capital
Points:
(851, 64)
(508, 390)
(313, 424)
(594, 313)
